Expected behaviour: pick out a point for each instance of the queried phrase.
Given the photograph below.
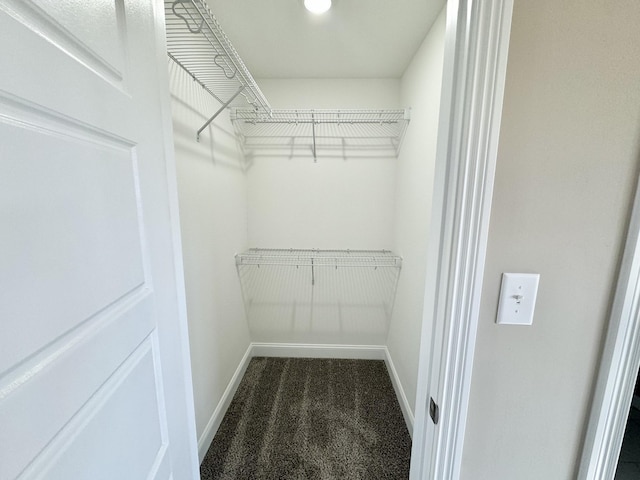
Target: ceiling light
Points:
(317, 6)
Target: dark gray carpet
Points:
(311, 419)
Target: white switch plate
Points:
(517, 298)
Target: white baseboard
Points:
(402, 398)
(300, 350)
(218, 414)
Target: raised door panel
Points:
(47, 64)
(74, 245)
(100, 442)
(38, 400)
(97, 27)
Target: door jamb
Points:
(618, 366)
(474, 71)
(174, 336)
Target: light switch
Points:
(517, 298)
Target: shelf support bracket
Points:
(224, 105)
(313, 274)
(313, 130)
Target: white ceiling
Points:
(355, 39)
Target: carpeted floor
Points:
(315, 419)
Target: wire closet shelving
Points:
(319, 258)
(372, 259)
(306, 292)
(197, 43)
(330, 130)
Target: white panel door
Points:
(94, 371)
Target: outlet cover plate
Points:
(517, 298)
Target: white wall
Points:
(331, 204)
(213, 217)
(421, 85)
(340, 202)
(567, 166)
(337, 202)
(332, 93)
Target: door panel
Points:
(45, 65)
(94, 377)
(128, 398)
(83, 246)
(94, 27)
(56, 385)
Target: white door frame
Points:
(475, 61)
(618, 366)
(174, 335)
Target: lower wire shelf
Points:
(319, 258)
(303, 295)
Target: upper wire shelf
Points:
(319, 258)
(339, 130)
(197, 43)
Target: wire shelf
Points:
(319, 258)
(312, 130)
(308, 291)
(197, 43)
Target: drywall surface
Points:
(342, 200)
(345, 200)
(421, 85)
(331, 204)
(332, 93)
(213, 218)
(567, 166)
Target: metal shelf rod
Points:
(224, 105)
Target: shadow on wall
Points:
(191, 108)
(324, 304)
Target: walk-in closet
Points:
(305, 149)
